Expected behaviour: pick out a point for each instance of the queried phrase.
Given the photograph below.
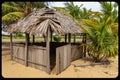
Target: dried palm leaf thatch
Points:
(38, 21)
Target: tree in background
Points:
(12, 11)
(101, 29)
(110, 10)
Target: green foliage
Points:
(103, 40)
(38, 4)
(12, 17)
(73, 10)
(12, 11)
(102, 28)
(7, 8)
(110, 9)
(5, 37)
(19, 34)
(57, 38)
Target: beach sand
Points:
(12, 69)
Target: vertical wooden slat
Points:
(26, 50)
(63, 58)
(57, 61)
(45, 62)
(84, 47)
(85, 36)
(11, 46)
(69, 54)
(48, 50)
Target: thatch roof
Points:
(37, 23)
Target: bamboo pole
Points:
(11, 46)
(26, 49)
(48, 50)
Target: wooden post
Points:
(82, 38)
(33, 39)
(11, 46)
(65, 37)
(69, 38)
(74, 38)
(28, 38)
(48, 50)
(26, 49)
(51, 36)
(44, 38)
(85, 37)
(84, 47)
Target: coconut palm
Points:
(110, 9)
(103, 43)
(73, 9)
(81, 13)
(12, 11)
(100, 33)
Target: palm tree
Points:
(110, 9)
(103, 43)
(73, 9)
(81, 13)
(100, 33)
(12, 11)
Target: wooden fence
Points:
(36, 56)
(63, 58)
(76, 52)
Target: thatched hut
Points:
(46, 21)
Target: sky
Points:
(95, 6)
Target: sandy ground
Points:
(15, 70)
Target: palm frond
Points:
(11, 17)
(7, 8)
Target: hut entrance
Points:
(62, 54)
(63, 58)
(59, 56)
